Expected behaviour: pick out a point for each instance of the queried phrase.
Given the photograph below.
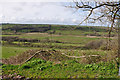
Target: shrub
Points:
(102, 44)
(112, 45)
(94, 44)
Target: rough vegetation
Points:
(102, 44)
(47, 55)
(58, 51)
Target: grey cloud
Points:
(18, 9)
(38, 13)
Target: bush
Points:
(113, 45)
(102, 44)
(94, 44)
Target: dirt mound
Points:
(51, 55)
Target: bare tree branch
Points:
(87, 16)
(106, 10)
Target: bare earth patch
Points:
(44, 34)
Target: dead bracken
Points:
(51, 55)
(47, 55)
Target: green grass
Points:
(37, 68)
(62, 38)
(69, 32)
(58, 44)
(74, 39)
(78, 32)
(9, 35)
(8, 51)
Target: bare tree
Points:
(99, 11)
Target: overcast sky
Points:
(40, 13)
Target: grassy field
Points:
(8, 51)
(63, 42)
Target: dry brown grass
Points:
(50, 55)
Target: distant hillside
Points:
(46, 27)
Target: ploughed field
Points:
(58, 51)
